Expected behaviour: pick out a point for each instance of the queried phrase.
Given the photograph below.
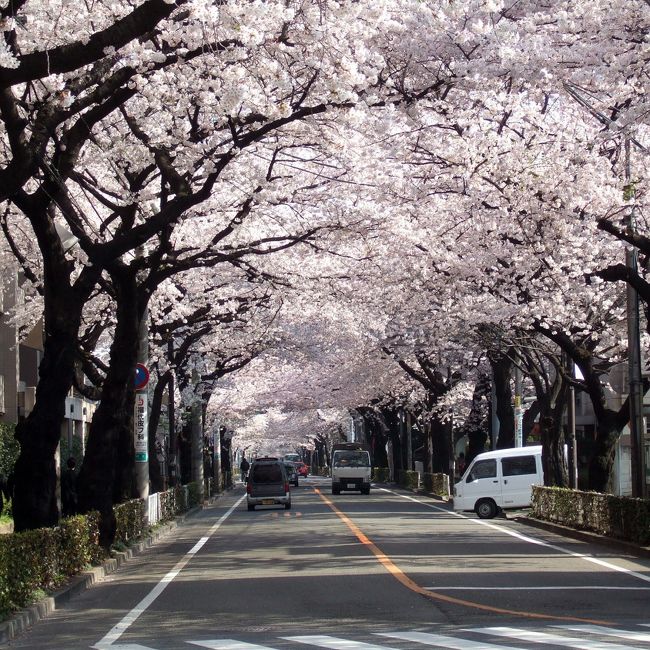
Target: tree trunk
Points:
(155, 474)
(106, 476)
(502, 374)
(553, 459)
(604, 452)
(34, 499)
(441, 451)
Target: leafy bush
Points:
(436, 483)
(194, 495)
(130, 517)
(381, 474)
(44, 558)
(621, 517)
(9, 448)
(408, 479)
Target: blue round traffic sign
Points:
(141, 376)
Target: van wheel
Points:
(365, 490)
(336, 489)
(251, 506)
(486, 509)
(287, 506)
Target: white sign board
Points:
(140, 425)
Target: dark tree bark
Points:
(502, 374)
(155, 474)
(609, 423)
(35, 504)
(106, 476)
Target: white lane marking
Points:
(530, 540)
(608, 631)
(229, 644)
(544, 637)
(131, 646)
(335, 644)
(559, 587)
(445, 641)
(120, 628)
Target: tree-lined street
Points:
(391, 569)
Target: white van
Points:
(499, 479)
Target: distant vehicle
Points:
(351, 467)
(500, 479)
(292, 458)
(268, 484)
(303, 469)
(292, 473)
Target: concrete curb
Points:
(25, 618)
(584, 535)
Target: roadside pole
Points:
(637, 422)
(141, 413)
(519, 411)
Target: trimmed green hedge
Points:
(45, 558)
(40, 560)
(621, 517)
(408, 479)
(436, 484)
(381, 474)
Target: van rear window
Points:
(267, 474)
(518, 466)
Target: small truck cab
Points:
(351, 467)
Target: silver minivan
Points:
(268, 484)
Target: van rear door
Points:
(519, 473)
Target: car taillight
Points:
(248, 488)
(286, 487)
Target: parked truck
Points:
(351, 467)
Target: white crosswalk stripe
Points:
(440, 641)
(608, 631)
(546, 637)
(229, 644)
(324, 641)
(589, 637)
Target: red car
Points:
(303, 469)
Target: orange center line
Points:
(399, 575)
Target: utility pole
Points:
(571, 426)
(141, 414)
(519, 410)
(637, 422)
(171, 414)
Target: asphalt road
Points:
(354, 572)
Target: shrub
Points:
(381, 474)
(408, 479)
(44, 558)
(622, 517)
(436, 483)
(130, 520)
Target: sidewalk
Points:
(24, 618)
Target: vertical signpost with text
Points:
(141, 415)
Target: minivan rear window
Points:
(267, 474)
(518, 466)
